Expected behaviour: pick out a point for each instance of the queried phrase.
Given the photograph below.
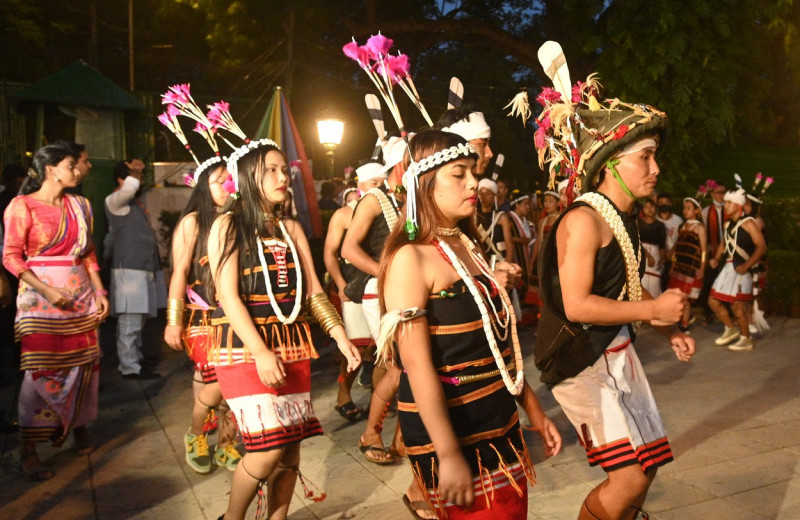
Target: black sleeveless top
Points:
(376, 235)
(609, 279)
(743, 240)
(483, 413)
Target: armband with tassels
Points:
(322, 309)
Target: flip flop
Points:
(37, 473)
(380, 462)
(349, 411)
(417, 505)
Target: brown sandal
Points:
(366, 450)
(416, 505)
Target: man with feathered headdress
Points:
(590, 271)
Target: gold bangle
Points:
(324, 312)
(175, 308)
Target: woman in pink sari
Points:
(60, 302)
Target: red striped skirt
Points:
(270, 418)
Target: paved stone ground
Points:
(732, 419)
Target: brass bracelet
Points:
(175, 308)
(323, 310)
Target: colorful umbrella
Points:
(278, 125)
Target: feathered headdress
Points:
(577, 133)
(179, 102)
(386, 71)
(760, 186)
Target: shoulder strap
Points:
(604, 208)
(389, 212)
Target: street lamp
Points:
(330, 135)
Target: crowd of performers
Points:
(425, 256)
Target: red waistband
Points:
(619, 347)
(58, 263)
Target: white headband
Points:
(411, 178)
(233, 158)
(551, 192)
(693, 201)
(207, 165)
(472, 127)
(489, 184)
(636, 146)
(737, 197)
(371, 170)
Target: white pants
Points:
(129, 342)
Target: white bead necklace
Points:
(298, 299)
(514, 387)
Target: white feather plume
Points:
(551, 56)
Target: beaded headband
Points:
(417, 168)
(238, 153)
(441, 157)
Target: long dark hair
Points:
(202, 205)
(45, 156)
(423, 144)
(247, 222)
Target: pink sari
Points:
(60, 352)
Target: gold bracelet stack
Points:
(175, 312)
(322, 309)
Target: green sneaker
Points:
(227, 457)
(197, 452)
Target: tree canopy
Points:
(725, 71)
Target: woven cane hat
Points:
(578, 130)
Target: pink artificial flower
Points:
(759, 176)
(702, 190)
(540, 138)
(548, 96)
(399, 66)
(364, 56)
(295, 164)
(229, 185)
(711, 184)
(164, 119)
(169, 98)
(179, 94)
(351, 50)
(200, 128)
(577, 89)
(379, 45)
(546, 123)
(188, 179)
(173, 111)
(768, 182)
(221, 106)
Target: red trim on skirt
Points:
(621, 453)
(274, 417)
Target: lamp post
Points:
(330, 135)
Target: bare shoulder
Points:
(583, 219)
(189, 222)
(407, 259)
(369, 203)
(341, 217)
(221, 224)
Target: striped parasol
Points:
(278, 125)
